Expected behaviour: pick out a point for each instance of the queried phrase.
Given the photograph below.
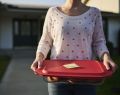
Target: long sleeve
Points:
(99, 42)
(45, 42)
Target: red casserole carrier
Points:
(86, 69)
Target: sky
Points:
(36, 2)
(105, 5)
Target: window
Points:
(25, 28)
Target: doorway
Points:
(25, 32)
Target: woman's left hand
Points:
(108, 62)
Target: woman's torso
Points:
(72, 35)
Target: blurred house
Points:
(21, 25)
(111, 18)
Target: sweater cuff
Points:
(43, 51)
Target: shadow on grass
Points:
(4, 62)
(111, 86)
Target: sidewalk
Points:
(19, 78)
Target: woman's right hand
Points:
(37, 63)
(52, 79)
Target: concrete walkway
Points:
(19, 79)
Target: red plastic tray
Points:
(89, 69)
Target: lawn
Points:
(4, 62)
(111, 85)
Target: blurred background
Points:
(21, 24)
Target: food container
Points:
(74, 69)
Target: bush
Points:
(110, 47)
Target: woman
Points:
(72, 31)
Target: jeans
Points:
(71, 89)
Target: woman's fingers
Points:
(55, 78)
(34, 65)
(52, 79)
(114, 66)
(71, 81)
(107, 65)
(110, 65)
(39, 64)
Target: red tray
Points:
(89, 69)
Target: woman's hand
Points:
(37, 63)
(108, 62)
(52, 79)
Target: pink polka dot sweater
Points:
(73, 37)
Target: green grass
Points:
(4, 62)
(112, 82)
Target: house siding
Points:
(0, 32)
(113, 28)
(6, 33)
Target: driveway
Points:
(19, 79)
